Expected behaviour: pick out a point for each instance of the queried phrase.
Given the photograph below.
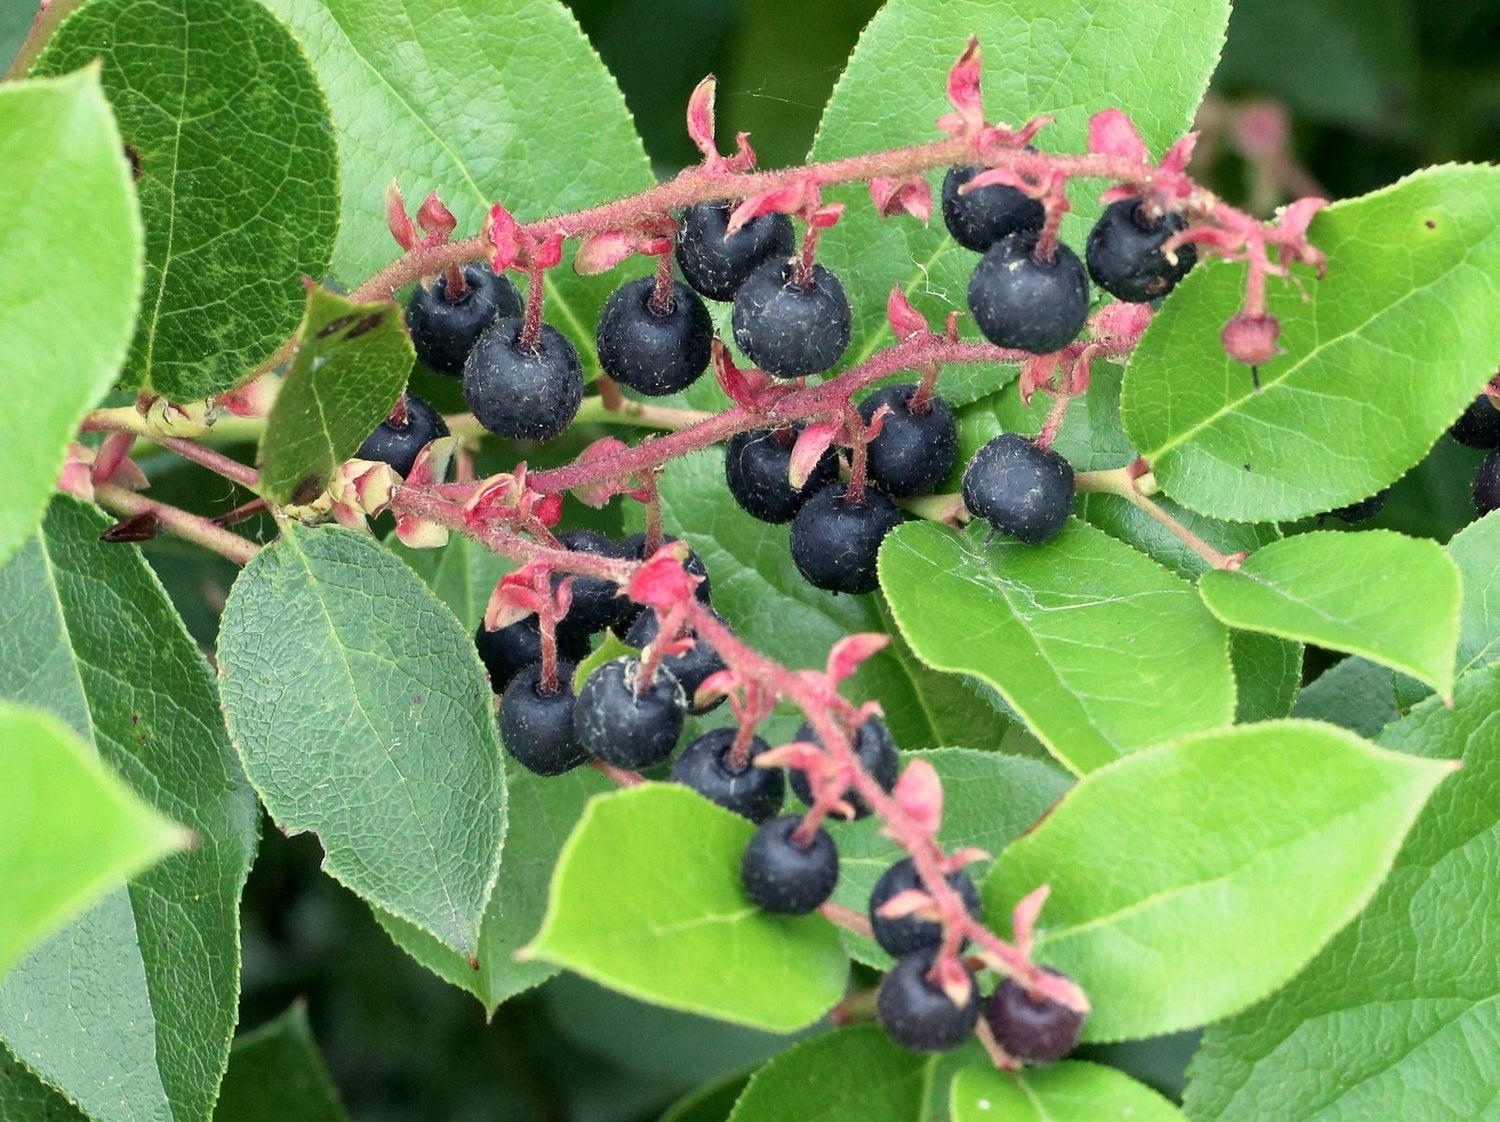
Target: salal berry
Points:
(627, 723)
(716, 265)
(914, 451)
(634, 548)
(536, 727)
(444, 331)
(1487, 484)
(788, 328)
(1365, 509)
(907, 934)
(655, 352)
(398, 445)
(1124, 252)
(757, 466)
(595, 604)
(980, 218)
(1036, 1030)
(691, 668)
(508, 650)
(1024, 491)
(521, 394)
(836, 542)
(874, 749)
(782, 876)
(1479, 427)
(915, 1011)
(1022, 302)
(752, 792)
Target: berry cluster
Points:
(1479, 427)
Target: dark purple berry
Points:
(1124, 253)
(1024, 491)
(537, 727)
(790, 329)
(1031, 305)
(595, 603)
(654, 352)
(752, 792)
(874, 749)
(917, 1014)
(399, 446)
(980, 218)
(716, 266)
(524, 395)
(635, 549)
(835, 542)
(444, 331)
(691, 668)
(620, 726)
(908, 934)
(1365, 509)
(783, 877)
(914, 451)
(509, 650)
(1487, 484)
(757, 466)
(1036, 1030)
(1479, 427)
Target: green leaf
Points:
(1350, 592)
(609, 648)
(542, 812)
(477, 116)
(1353, 694)
(63, 180)
(777, 612)
(69, 829)
(1194, 879)
(989, 799)
(276, 1075)
(1152, 61)
(711, 1103)
(1267, 675)
(637, 908)
(1384, 354)
(462, 573)
(1067, 1092)
(238, 178)
(1393, 1019)
(843, 1076)
(129, 1010)
(1102, 651)
(362, 713)
(1474, 549)
(349, 368)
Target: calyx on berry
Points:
(524, 395)
(508, 650)
(788, 327)
(836, 541)
(625, 722)
(876, 752)
(1036, 1030)
(1024, 491)
(399, 445)
(1021, 301)
(752, 792)
(785, 877)
(980, 218)
(757, 467)
(443, 329)
(1124, 252)
(657, 352)
(691, 667)
(716, 265)
(917, 1013)
(536, 726)
(909, 933)
(913, 452)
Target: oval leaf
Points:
(238, 178)
(362, 713)
(69, 829)
(1474, 549)
(825, 1077)
(129, 1009)
(639, 909)
(1391, 598)
(64, 180)
(1099, 649)
(1067, 1092)
(1153, 61)
(1383, 355)
(1384, 1023)
(1194, 879)
(349, 368)
(276, 1075)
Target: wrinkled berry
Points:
(914, 451)
(1024, 491)
(716, 266)
(399, 446)
(757, 466)
(752, 792)
(790, 329)
(1031, 305)
(980, 218)
(1124, 253)
(444, 331)
(917, 1014)
(836, 543)
(621, 727)
(783, 877)
(537, 727)
(908, 934)
(654, 352)
(524, 395)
